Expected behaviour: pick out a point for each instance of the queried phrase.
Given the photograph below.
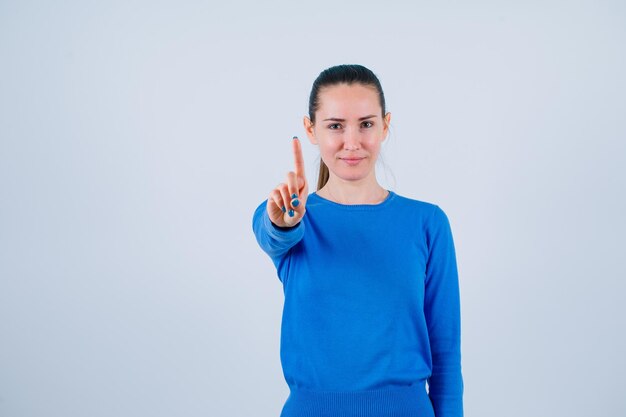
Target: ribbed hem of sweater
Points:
(405, 401)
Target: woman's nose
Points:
(352, 139)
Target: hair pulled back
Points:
(341, 74)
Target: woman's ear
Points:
(309, 129)
(386, 125)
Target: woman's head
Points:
(347, 119)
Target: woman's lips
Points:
(352, 161)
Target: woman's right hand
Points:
(281, 201)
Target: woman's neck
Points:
(352, 193)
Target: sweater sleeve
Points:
(275, 241)
(443, 317)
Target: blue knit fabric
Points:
(371, 311)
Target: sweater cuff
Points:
(286, 229)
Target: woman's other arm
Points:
(443, 316)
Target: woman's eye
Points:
(370, 124)
(334, 124)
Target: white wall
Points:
(136, 139)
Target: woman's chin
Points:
(355, 175)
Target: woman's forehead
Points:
(348, 101)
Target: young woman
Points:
(372, 303)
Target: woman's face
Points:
(349, 129)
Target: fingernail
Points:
(295, 137)
(295, 202)
(284, 209)
(290, 213)
(294, 195)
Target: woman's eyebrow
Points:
(336, 119)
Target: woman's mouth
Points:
(352, 161)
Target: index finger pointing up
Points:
(299, 160)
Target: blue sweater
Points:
(371, 311)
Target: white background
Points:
(137, 137)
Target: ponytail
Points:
(323, 175)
